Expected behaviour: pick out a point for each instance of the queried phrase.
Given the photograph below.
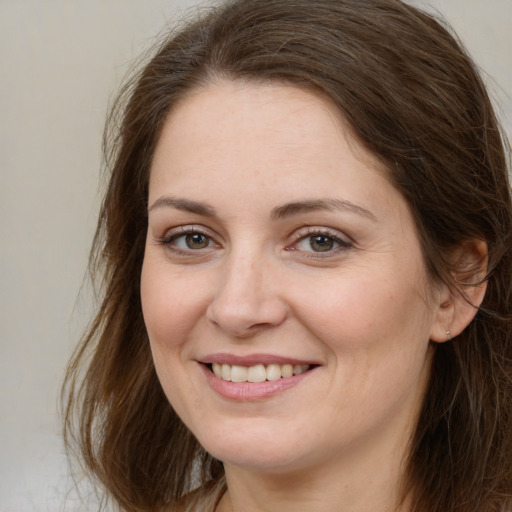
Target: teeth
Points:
(273, 372)
(239, 373)
(286, 370)
(300, 368)
(226, 372)
(257, 373)
(217, 370)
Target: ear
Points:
(458, 302)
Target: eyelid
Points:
(311, 230)
(345, 242)
(183, 230)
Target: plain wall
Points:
(60, 62)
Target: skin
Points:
(363, 311)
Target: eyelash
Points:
(310, 232)
(183, 231)
(301, 235)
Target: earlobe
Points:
(459, 301)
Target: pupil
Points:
(321, 243)
(196, 241)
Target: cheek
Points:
(358, 306)
(377, 330)
(171, 304)
(170, 313)
(377, 336)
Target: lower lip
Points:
(251, 391)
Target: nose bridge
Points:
(247, 297)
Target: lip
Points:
(252, 360)
(251, 391)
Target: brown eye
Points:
(321, 243)
(189, 241)
(196, 241)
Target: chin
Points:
(259, 449)
(258, 460)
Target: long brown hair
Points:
(413, 97)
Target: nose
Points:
(247, 299)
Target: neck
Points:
(354, 484)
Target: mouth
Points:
(254, 378)
(257, 373)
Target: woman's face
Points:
(277, 252)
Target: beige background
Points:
(60, 62)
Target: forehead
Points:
(248, 130)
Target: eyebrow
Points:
(277, 213)
(186, 205)
(298, 207)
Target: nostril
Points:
(242, 308)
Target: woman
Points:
(306, 253)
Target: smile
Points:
(258, 372)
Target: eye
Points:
(192, 241)
(185, 240)
(318, 241)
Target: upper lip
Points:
(252, 359)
